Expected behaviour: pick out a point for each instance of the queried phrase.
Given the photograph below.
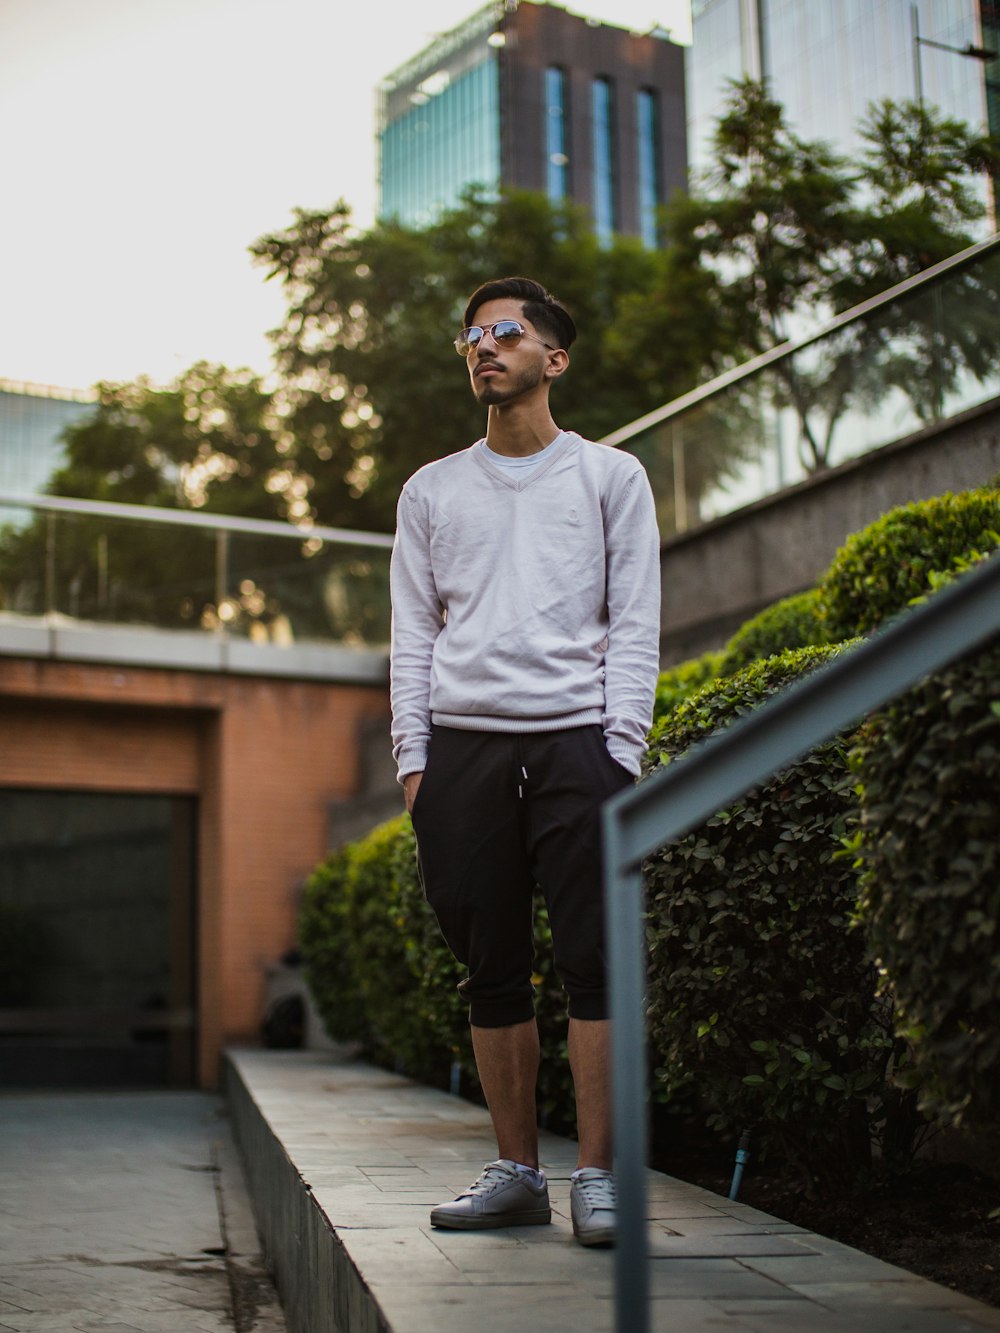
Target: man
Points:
(525, 592)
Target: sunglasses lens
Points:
(507, 332)
(468, 339)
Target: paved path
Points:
(126, 1213)
(354, 1158)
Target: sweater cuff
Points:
(629, 756)
(411, 759)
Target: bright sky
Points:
(147, 143)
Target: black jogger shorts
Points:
(496, 814)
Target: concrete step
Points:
(344, 1162)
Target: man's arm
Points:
(416, 623)
(632, 660)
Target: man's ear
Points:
(558, 363)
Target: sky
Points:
(147, 143)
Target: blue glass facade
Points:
(556, 145)
(448, 141)
(826, 60)
(647, 126)
(602, 131)
(32, 419)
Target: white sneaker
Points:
(593, 1204)
(501, 1197)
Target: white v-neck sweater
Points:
(525, 603)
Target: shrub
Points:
(885, 566)
(381, 973)
(760, 993)
(794, 622)
(679, 682)
(929, 772)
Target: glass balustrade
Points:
(906, 362)
(266, 583)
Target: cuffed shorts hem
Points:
(502, 1014)
(589, 1008)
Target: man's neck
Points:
(518, 434)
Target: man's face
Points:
(503, 374)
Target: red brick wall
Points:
(265, 757)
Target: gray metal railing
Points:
(670, 804)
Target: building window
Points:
(647, 118)
(556, 157)
(602, 116)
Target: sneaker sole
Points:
(452, 1222)
(606, 1237)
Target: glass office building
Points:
(529, 96)
(826, 60)
(32, 419)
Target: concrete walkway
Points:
(128, 1213)
(345, 1161)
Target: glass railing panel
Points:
(288, 591)
(281, 587)
(911, 361)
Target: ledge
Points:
(62, 639)
(344, 1162)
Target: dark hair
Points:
(544, 311)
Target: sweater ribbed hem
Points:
(519, 726)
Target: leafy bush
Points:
(881, 569)
(381, 973)
(760, 993)
(929, 771)
(678, 682)
(794, 622)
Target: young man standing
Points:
(525, 592)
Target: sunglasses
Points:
(505, 333)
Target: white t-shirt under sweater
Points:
(526, 598)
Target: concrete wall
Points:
(718, 575)
(265, 757)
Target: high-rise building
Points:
(825, 60)
(530, 96)
(32, 420)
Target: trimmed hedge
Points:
(929, 774)
(761, 996)
(880, 570)
(381, 974)
(793, 622)
(679, 682)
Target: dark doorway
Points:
(97, 939)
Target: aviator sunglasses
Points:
(505, 333)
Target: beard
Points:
(490, 393)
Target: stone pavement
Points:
(344, 1162)
(126, 1213)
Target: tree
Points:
(782, 233)
(211, 441)
(371, 386)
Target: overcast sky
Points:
(148, 142)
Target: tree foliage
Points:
(371, 385)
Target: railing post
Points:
(627, 958)
(221, 573)
(50, 563)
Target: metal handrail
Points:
(671, 803)
(186, 518)
(786, 349)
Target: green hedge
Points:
(679, 682)
(929, 773)
(381, 973)
(793, 622)
(880, 570)
(761, 995)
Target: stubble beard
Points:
(491, 394)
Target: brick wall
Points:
(265, 757)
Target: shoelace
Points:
(598, 1191)
(491, 1178)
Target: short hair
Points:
(538, 305)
